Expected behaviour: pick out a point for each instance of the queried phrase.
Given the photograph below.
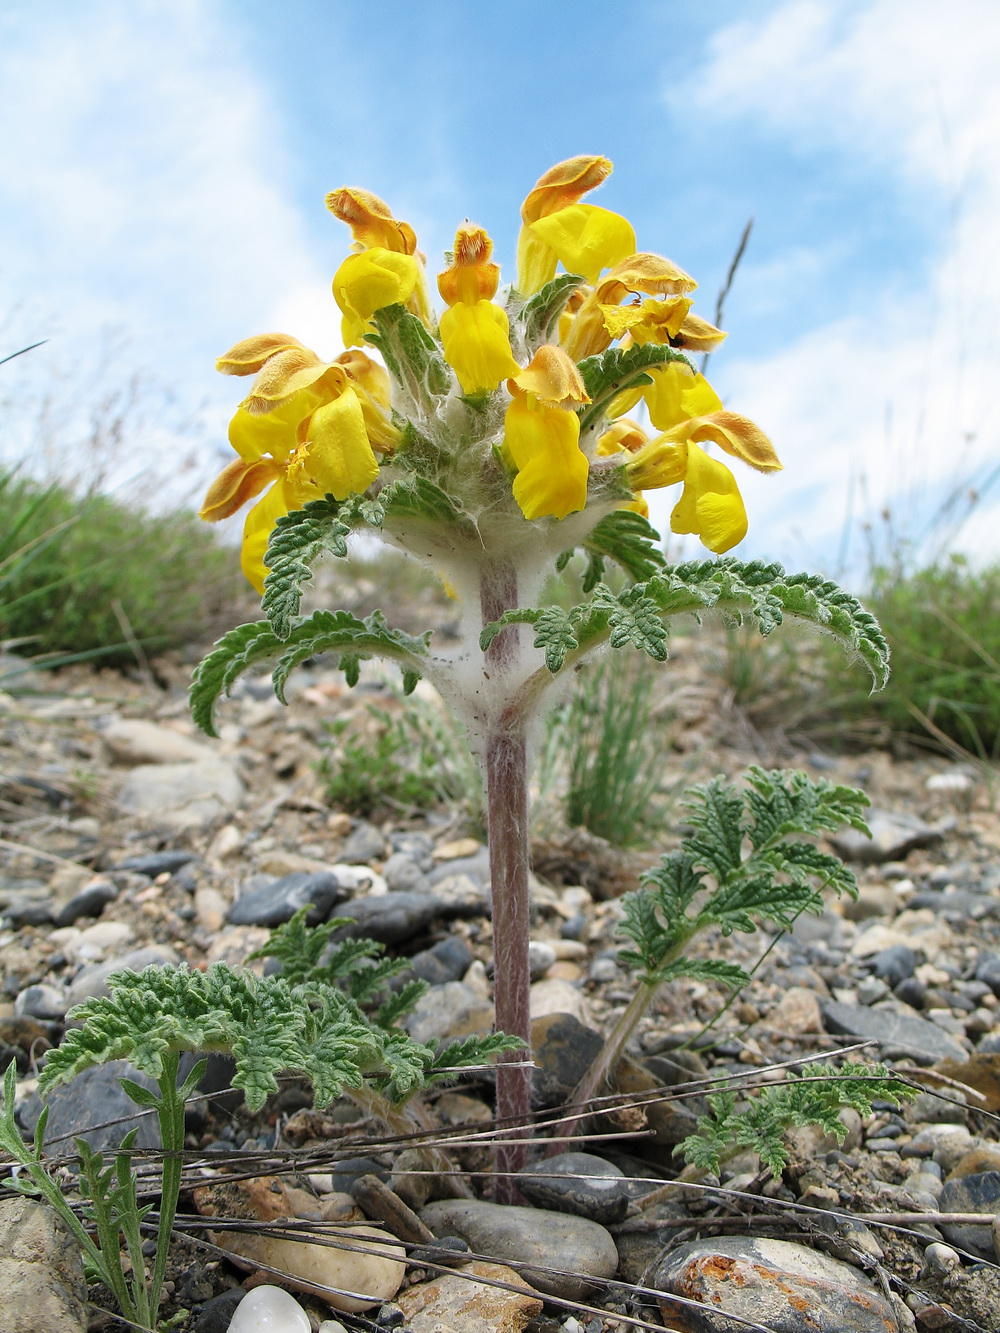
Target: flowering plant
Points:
(491, 442)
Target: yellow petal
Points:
(291, 373)
(624, 434)
(337, 458)
(235, 485)
(257, 532)
(536, 262)
(370, 220)
(710, 504)
(661, 462)
(275, 433)
(372, 377)
(564, 184)
(544, 444)
(368, 281)
(553, 378)
(586, 239)
(637, 506)
(677, 394)
(646, 274)
(476, 345)
(738, 436)
(697, 335)
(471, 277)
(247, 357)
(618, 319)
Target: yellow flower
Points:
(542, 436)
(558, 228)
(302, 428)
(710, 503)
(370, 220)
(622, 435)
(596, 325)
(676, 394)
(475, 333)
(366, 282)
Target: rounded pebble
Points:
(269, 1310)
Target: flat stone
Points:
(135, 741)
(92, 980)
(154, 864)
(982, 1072)
(43, 1001)
(82, 1107)
(797, 1011)
(772, 1283)
(403, 875)
(275, 903)
(476, 867)
(896, 1034)
(90, 901)
(448, 1011)
(448, 960)
(988, 970)
(563, 1050)
(389, 917)
(894, 964)
(531, 1236)
(462, 895)
(979, 1193)
(892, 835)
(554, 995)
(41, 1271)
(602, 1194)
(182, 796)
(364, 843)
(458, 1302)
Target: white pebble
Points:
(332, 1326)
(939, 1260)
(269, 1310)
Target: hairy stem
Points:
(170, 1113)
(506, 765)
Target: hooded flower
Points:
(385, 268)
(301, 430)
(475, 332)
(542, 436)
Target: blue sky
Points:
(163, 165)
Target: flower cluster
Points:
(514, 417)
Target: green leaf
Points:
(610, 373)
(627, 538)
(414, 497)
(297, 540)
(705, 969)
(233, 654)
(332, 631)
(633, 618)
(411, 354)
(540, 314)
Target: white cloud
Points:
(907, 91)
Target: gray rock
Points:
(43, 1001)
(477, 867)
(541, 956)
(563, 1049)
(86, 1105)
(419, 847)
(448, 960)
(403, 875)
(988, 970)
(216, 1315)
(894, 964)
(136, 741)
(896, 1034)
(28, 909)
(182, 796)
(771, 1283)
(451, 1010)
(461, 895)
(348, 1170)
(275, 903)
(892, 836)
(41, 1271)
(157, 863)
(958, 905)
(90, 901)
(364, 843)
(603, 1195)
(92, 979)
(978, 1193)
(390, 917)
(583, 1249)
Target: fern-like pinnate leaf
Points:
(298, 539)
(630, 540)
(470, 1051)
(633, 618)
(610, 373)
(814, 1096)
(268, 1025)
(747, 858)
(539, 316)
(322, 632)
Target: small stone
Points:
(769, 1282)
(927, 1108)
(553, 995)
(930, 1138)
(939, 1260)
(403, 875)
(92, 980)
(389, 917)
(157, 863)
(135, 741)
(41, 1271)
(972, 1194)
(96, 942)
(364, 843)
(797, 1011)
(541, 956)
(981, 1072)
(448, 1011)
(892, 836)
(457, 849)
(216, 1315)
(227, 842)
(277, 902)
(985, 1157)
(182, 796)
(382, 1204)
(563, 1050)
(461, 895)
(897, 1034)
(462, 1304)
(90, 901)
(210, 909)
(448, 960)
(578, 1183)
(988, 970)
(350, 1169)
(531, 1236)
(269, 1309)
(43, 1001)
(872, 900)
(475, 867)
(894, 964)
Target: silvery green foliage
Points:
(813, 1095)
(747, 859)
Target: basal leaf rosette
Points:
(496, 429)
